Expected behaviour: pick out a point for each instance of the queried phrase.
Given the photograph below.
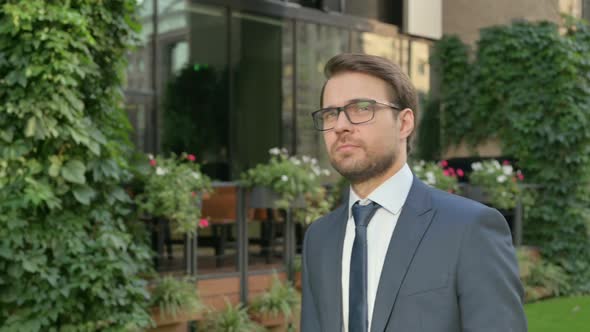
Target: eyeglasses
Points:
(357, 112)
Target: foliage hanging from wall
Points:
(529, 85)
(67, 258)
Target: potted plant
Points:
(274, 308)
(175, 302)
(494, 183)
(540, 278)
(172, 190)
(285, 182)
(231, 319)
(438, 175)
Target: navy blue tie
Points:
(358, 317)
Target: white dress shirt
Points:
(391, 195)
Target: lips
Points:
(346, 147)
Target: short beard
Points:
(364, 171)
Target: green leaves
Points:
(73, 171)
(84, 194)
(66, 261)
(528, 85)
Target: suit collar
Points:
(413, 222)
(391, 194)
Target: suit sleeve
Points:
(490, 293)
(309, 314)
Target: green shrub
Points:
(67, 258)
(528, 85)
(280, 299)
(540, 278)
(232, 319)
(173, 296)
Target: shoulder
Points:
(458, 209)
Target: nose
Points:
(342, 123)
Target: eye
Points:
(329, 114)
(363, 106)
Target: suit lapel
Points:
(413, 222)
(333, 271)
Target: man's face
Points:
(362, 151)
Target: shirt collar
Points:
(391, 194)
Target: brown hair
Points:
(403, 90)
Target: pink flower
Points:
(506, 162)
(452, 171)
(153, 162)
(520, 176)
(460, 172)
(444, 163)
(191, 157)
(446, 172)
(203, 223)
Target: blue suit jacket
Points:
(450, 267)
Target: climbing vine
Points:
(528, 84)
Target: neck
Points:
(363, 189)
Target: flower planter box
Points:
(297, 281)
(263, 197)
(169, 323)
(272, 322)
(475, 193)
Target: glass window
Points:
(288, 135)
(316, 44)
(420, 66)
(138, 87)
(195, 89)
(404, 58)
(256, 62)
(374, 44)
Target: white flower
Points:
(196, 175)
(161, 171)
(314, 161)
(477, 166)
(274, 151)
(430, 178)
(295, 161)
(497, 164)
(316, 170)
(284, 178)
(422, 163)
(151, 156)
(501, 178)
(306, 159)
(326, 172)
(507, 169)
(284, 151)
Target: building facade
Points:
(228, 80)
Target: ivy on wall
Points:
(529, 85)
(67, 258)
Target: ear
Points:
(406, 122)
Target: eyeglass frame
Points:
(341, 109)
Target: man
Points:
(399, 255)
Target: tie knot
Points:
(362, 214)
